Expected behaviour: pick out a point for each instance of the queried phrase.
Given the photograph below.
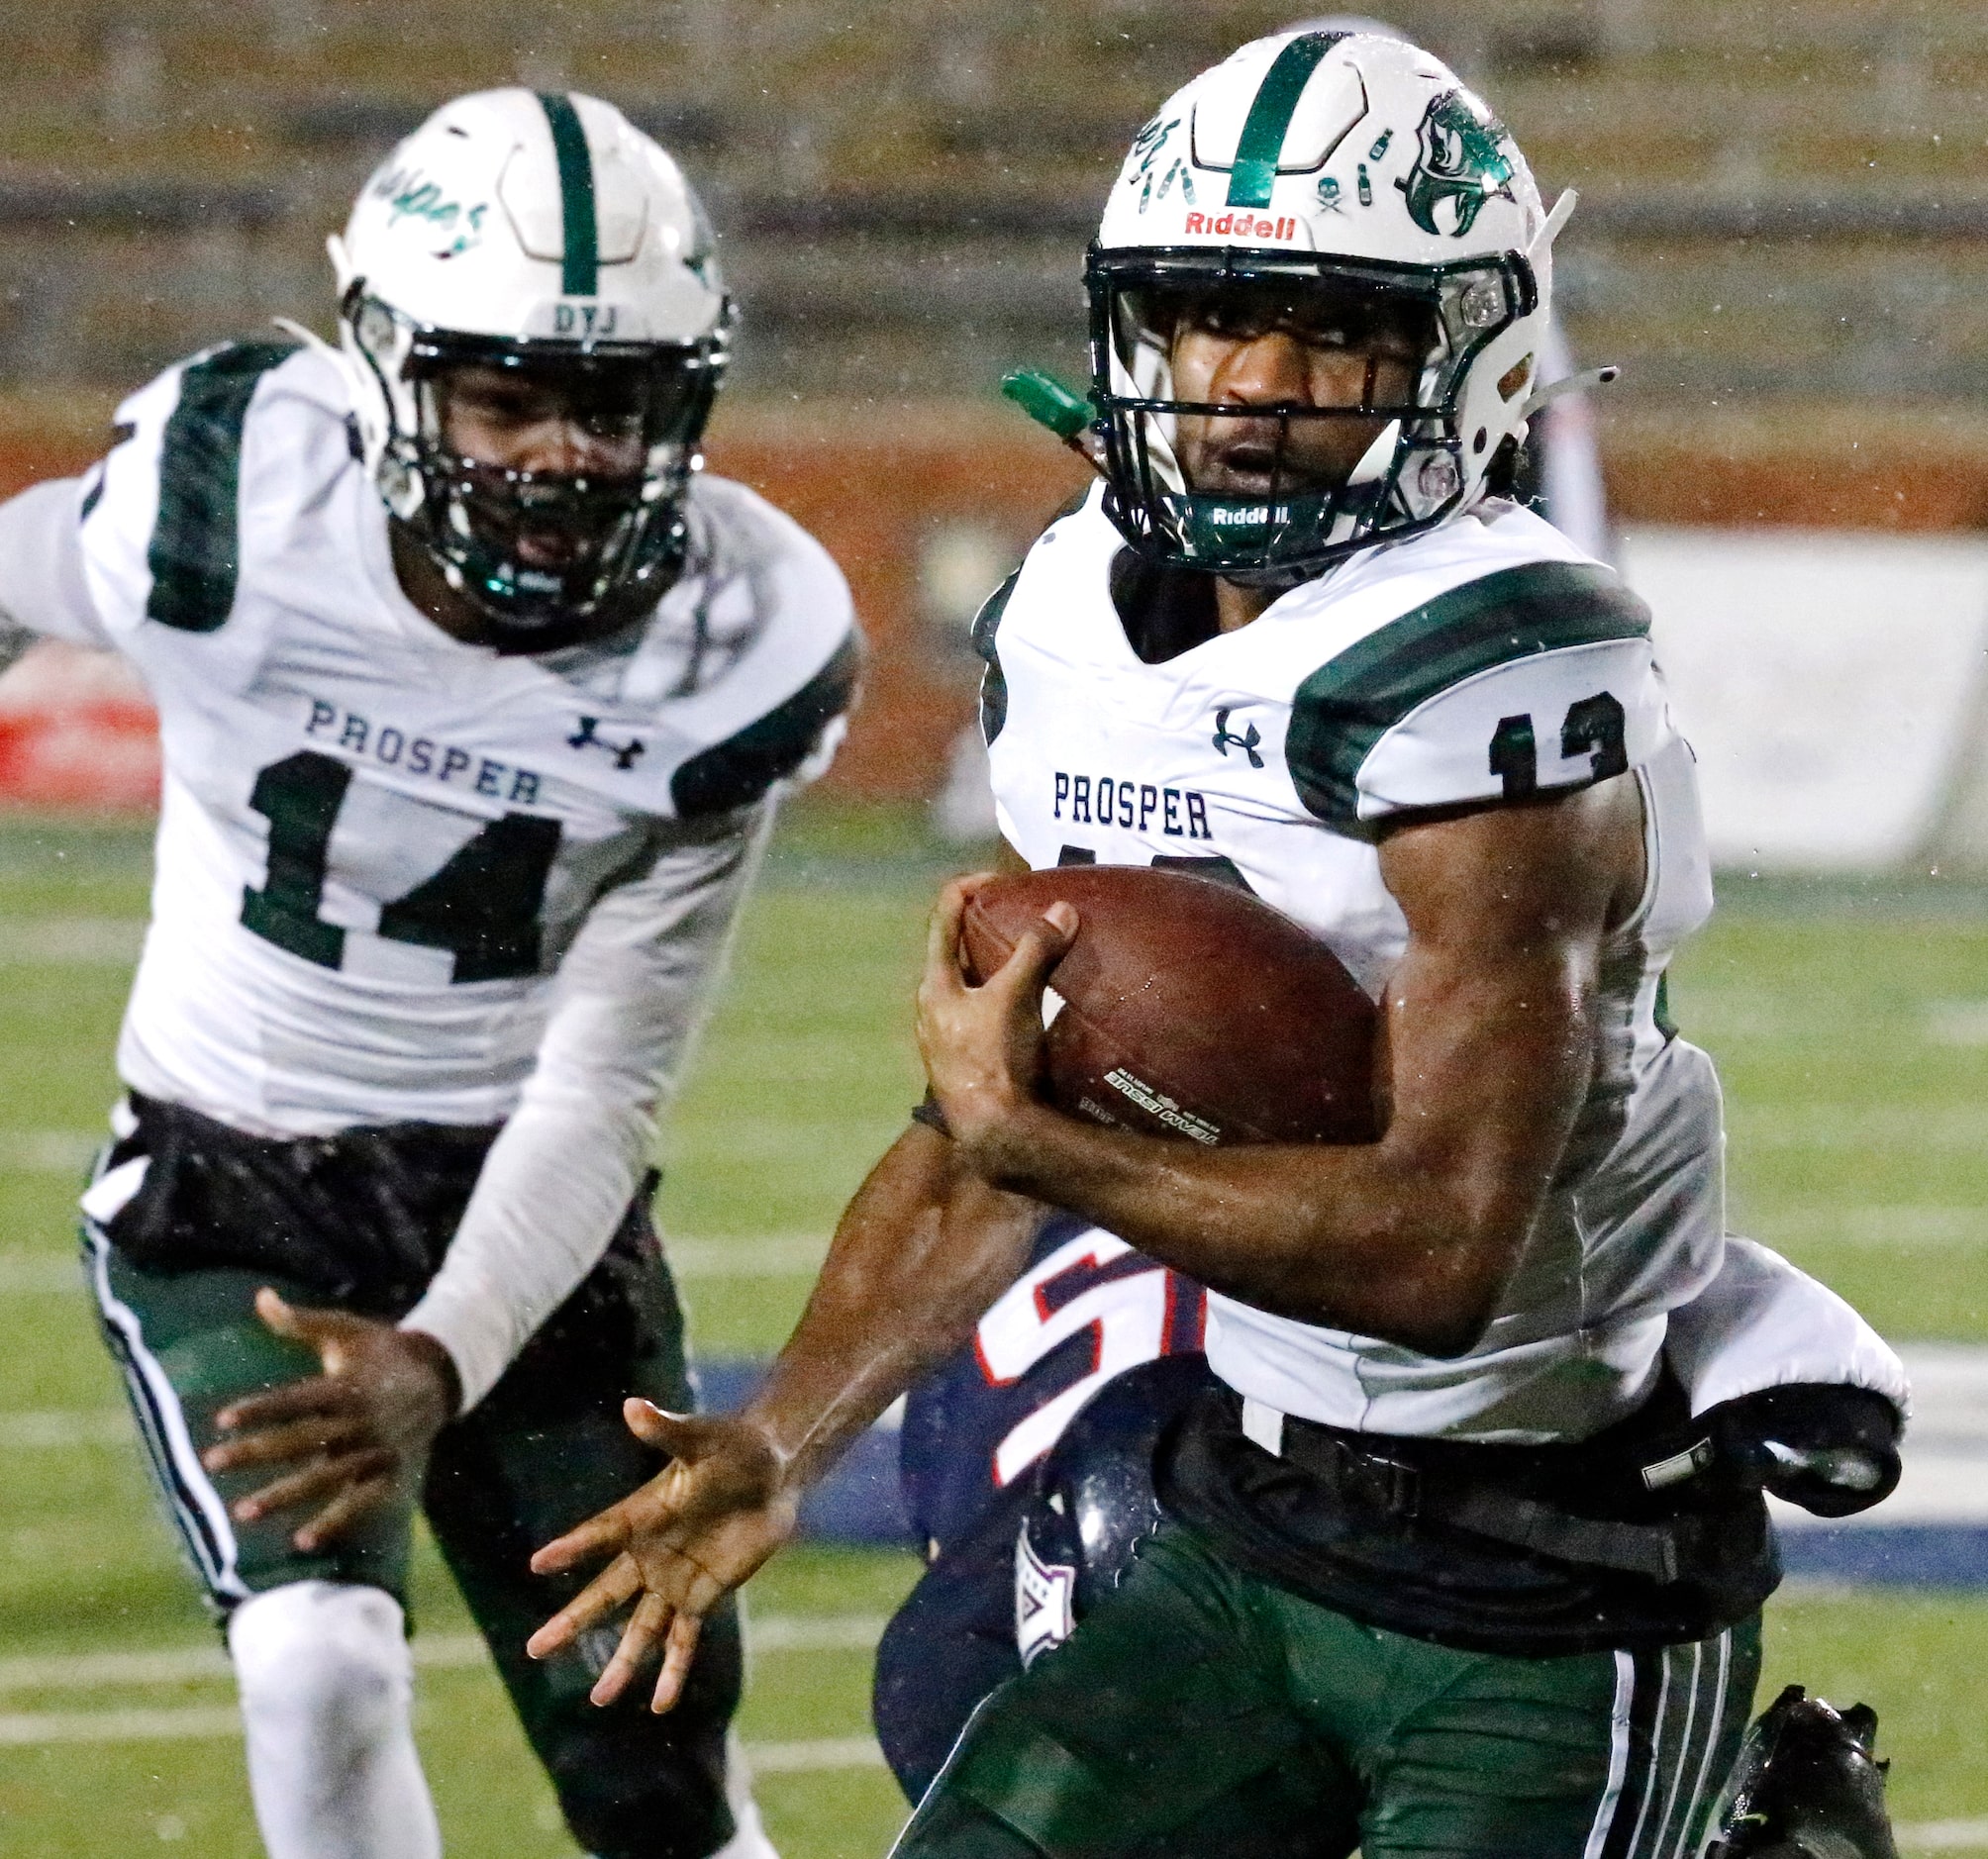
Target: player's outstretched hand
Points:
(982, 1046)
(357, 1436)
(681, 1542)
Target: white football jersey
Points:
(1486, 659)
(376, 841)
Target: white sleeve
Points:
(1762, 1322)
(629, 997)
(42, 591)
(1553, 720)
(1530, 679)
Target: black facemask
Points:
(549, 558)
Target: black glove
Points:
(1830, 1449)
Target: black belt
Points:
(1479, 1490)
(362, 1216)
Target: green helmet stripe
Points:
(1262, 138)
(580, 266)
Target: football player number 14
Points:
(482, 906)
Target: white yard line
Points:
(1859, 1126)
(1943, 1836)
(1956, 1022)
(60, 1430)
(25, 1272)
(445, 1652)
(803, 1756)
(31, 1729)
(812, 1755)
(49, 1151)
(74, 941)
(814, 1632)
(773, 1255)
(1907, 1224)
(35, 1730)
(65, 1429)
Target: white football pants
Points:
(327, 1699)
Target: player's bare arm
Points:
(1490, 1049)
(1489, 1045)
(920, 1251)
(357, 1435)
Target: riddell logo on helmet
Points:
(1242, 225)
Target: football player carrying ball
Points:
(1462, 1550)
(476, 703)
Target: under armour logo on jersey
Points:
(1247, 743)
(626, 755)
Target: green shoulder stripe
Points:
(739, 770)
(993, 681)
(1349, 703)
(196, 542)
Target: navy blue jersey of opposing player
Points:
(1087, 1309)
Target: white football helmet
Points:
(1321, 166)
(542, 233)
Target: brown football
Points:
(1188, 1008)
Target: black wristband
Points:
(930, 1115)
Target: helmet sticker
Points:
(412, 195)
(1144, 164)
(581, 248)
(1462, 159)
(1178, 170)
(1044, 1600)
(1261, 142)
(1146, 145)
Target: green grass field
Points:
(1851, 1023)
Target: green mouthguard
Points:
(1047, 402)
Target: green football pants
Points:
(1198, 1702)
(544, 1450)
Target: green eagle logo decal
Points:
(1463, 160)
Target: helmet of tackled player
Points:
(532, 264)
(1092, 1499)
(1346, 193)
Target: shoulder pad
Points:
(1343, 710)
(993, 683)
(195, 549)
(737, 771)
